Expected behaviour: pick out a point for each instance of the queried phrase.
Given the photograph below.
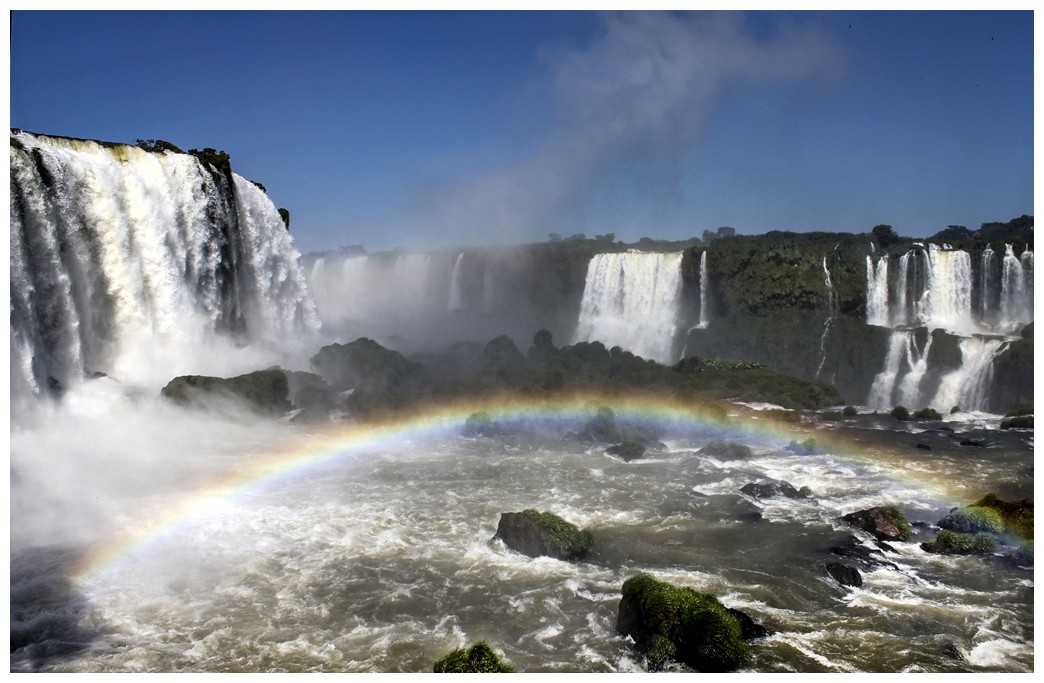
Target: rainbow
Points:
(317, 449)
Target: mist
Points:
(625, 109)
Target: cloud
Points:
(640, 93)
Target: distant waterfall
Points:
(877, 311)
(935, 288)
(831, 314)
(704, 284)
(631, 300)
(455, 292)
(130, 262)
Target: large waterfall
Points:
(631, 300)
(936, 288)
(140, 265)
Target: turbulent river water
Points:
(381, 559)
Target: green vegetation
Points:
(1022, 422)
(1020, 409)
(478, 659)
(927, 414)
(670, 623)
(952, 543)
(893, 515)
(973, 519)
(158, 146)
(901, 413)
(1017, 515)
(566, 537)
(285, 215)
(217, 163)
(850, 411)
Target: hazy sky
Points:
(443, 128)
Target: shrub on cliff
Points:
(671, 623)
(478, 659)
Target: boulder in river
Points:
(885, 523)
(539, 534)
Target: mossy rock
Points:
(264, 391)
(885, 523)
(1021, 422)
(1020, 409)
(951, 543)
(901, 413)
(1017, 515)
(927, 414)
(538, 534)
(973, 519)
(478, 659)
(670, 623)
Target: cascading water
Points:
(631, 300)
(935, 288)
(704, 284)
(134, 264)
(831, 314)
(456, 296)
(877, 311)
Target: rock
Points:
(749, 629)
(955, 651)
(973, 519)
(885, 523)
(670, 623)
(602, 427)
(1017, 515)
(264, 391)
(844, 574)
(726, 450)
(923, 446)
(774, 487)
(806, 447)
(480, 424)
(628, 450)
(478, 659)
(381, 379)
(539, 534)
(973, 442)
(865, 557)
(950, 543)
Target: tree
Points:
(884, 235)
(554, 237)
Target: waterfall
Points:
(631, 300)
(883, 388)
(831, 313)
(947, 302)
(1016, 297)
(877, 312)
(968, 385)
(455, 293)
(704, 313)
(987, 297)
(137, 264)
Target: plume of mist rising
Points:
(638, 97)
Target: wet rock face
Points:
(538, 534)
(771, 488)
(844, 574)
(264, 391)
(885, 523)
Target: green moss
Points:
(678, 623)
(952, 543)
(1017, 515)
(478, 659)
(1021, 422)
(1020, 409)
(893, 515)
(973, 519)
(566, 536)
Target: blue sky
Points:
(420, 129)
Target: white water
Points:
(136, 265)
(631, 300)
(832, 312)
(935, 288)
(704, 284)
(456, 296)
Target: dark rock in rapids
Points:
(628, 450)
(381, 379)
(670, 623)
(602, 428)
(539, 534)
(773, 487)
(885, 523)
(844, 574)
(264, 391)
(726, 450)
(865, 557)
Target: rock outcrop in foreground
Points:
(478, 659)
(669, 623)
